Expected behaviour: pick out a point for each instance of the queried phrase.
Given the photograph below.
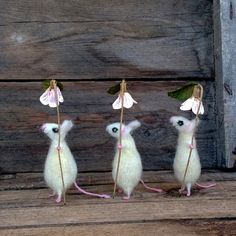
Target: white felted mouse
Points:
(186, 129)
(130, 171)
(52, 173)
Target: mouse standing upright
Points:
(130, 171)
(52, 173)
(186, 129)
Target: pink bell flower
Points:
(192, 104)
(49, 97)
(127, 103)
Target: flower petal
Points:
(187, 105)
(49, 98)
(52, 99)
(60, 97)
(201, 111)
(117, 103)
(128, 100)
(196, 105)
(44, 97)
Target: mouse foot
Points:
(188, 194)
(126, 198)
(58, 200)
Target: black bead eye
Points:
(180, 123)
(114, 130)
(55, 130)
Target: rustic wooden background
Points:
(157, 45)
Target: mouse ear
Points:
(66, 127)
(132, 126)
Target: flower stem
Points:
(54, 86)
(122, 90)
(192, 140)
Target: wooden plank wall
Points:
(225, 66)
(157, 45)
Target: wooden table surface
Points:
(25, 208)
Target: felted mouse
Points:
(52, 173)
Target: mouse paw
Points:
(58, 148)
(192, 146)
(188, 194)
(58, 200)
(119, 146)
(126, 198)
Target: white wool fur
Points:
(52, 173)
(182, 152)
(130, 170)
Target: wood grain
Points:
(165, 228)
(103, 39)
(23, 148)
(39, 197)
(103, 212)
(225, 57)
(31, 212)
(21, 181)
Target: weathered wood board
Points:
(165, 228)
(23, 148)
(225, 67)
(31, 212)
(28, 181)
(105, 39)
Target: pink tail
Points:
(206, 186)
(152, 189)
(91, 194)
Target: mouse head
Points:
(52, 130)
(182, 124)
(114, 129)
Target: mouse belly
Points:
(193, 172)
(52, 173)
(130, 173)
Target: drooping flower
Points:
(127, 103)
(192, 104)
(49, 97)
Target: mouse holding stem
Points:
(52, 173)
(186, 142)
(130, 171)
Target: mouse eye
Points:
(114, 130)
(180, 123)
(55, 130)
